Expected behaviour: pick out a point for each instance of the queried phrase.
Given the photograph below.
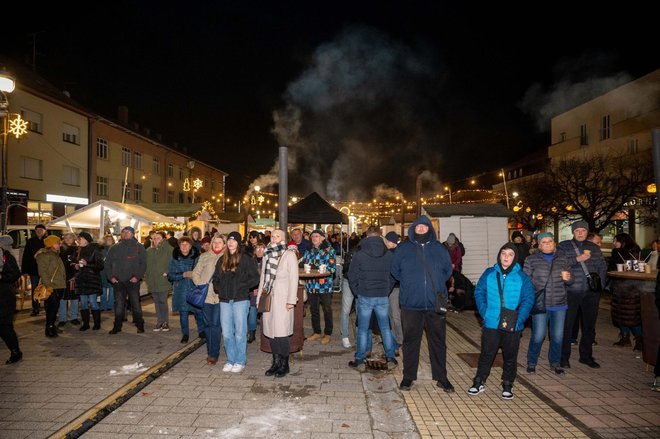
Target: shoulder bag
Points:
(441, 298)
(508, 317)
(266, 297)
(593, 278)
(42, 292)
(196, 296)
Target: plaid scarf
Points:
(272, 257)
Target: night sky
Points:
(363, 93)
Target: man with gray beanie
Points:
(586, 261)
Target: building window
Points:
(34, 120)
(138, 160)
(125, 156)
(633, 146)
(31, 168)
(170, 196)
(101, 148)
(180, 173)
(584, 140)
(180, 197)
(70, 175)
(562, 137)
(605, 127)
(71, 134)
(212, 185)
(520, 172)
(170, 170)
(102, 186)
(39, 212)
(155, 195)
(138, 192)
(155, 166)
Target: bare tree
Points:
(534, 204)
(597, 188)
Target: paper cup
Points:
(322, 268)
(641, 266)
(308, 268)
(619, 267)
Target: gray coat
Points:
(595, 264)
(549, 286)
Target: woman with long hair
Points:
(235, 274)
(279, 276)
(202, 274)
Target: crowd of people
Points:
(398, 286)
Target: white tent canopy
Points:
(97, 215)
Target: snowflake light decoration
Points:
(18, 126)
(197, 183)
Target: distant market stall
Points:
(109, 217)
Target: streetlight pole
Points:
(448, 189)
(7, 85)
(506, 191)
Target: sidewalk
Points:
(60, 379)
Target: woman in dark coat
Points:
(184, 259)
(68, 253)
(88, 263)
(626, 303)
(235, 275)
(9, 274)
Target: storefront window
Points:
(39, 212)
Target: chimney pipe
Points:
(122, 114)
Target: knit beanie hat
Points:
(579, 225)
(235, 236)
(51, 240)
(544, 235)
(86, 236)
(6, 241)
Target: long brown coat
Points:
(279, 321)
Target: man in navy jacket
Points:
(422, 266)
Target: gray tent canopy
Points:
(313, 209)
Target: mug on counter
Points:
(620, 267)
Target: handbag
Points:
(42, 292)
(196, 296)
(508, 317)
(441, 298)
(593, 279)
(265, 300)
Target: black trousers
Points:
(325, 300)
(8, 335)
(413, 324)
(587, 302)
(52, 305)
(34, 281)
(491, 341)
(279, 346)
(132, 291)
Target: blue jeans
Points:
(346, 304)
(73, 310)
(636, 330)
(252, 318)
(365, 307)
(199, 319)
(213, 329)
(90, 299)
(233, 320)
(540, 329)
(108, 299)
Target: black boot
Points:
(51, 331)
(284, 367)
(639, 343)
(16, 356)
(96, 314)
(251, 336)
(84, 314)
(275, 366)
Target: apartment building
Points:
(47, 168)
(72, 157)
(129, 164)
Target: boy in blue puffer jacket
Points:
(518, 293)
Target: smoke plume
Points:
(358, 117)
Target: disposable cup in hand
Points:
(308, 268)
(586, 252)
(566, 275)
(322, 268)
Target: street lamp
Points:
(448, 189)
(7, 85)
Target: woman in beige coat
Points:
(53, 275)
(279, 275)
(202, 273)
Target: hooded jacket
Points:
(417, 289)
(517, 289)
(369, 273)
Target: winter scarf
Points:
(272, 256)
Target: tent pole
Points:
(101, 221)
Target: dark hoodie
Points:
(417, 289)
(369, 273)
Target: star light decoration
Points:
(197, 183)
(18, 126)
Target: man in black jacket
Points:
(370, 279)
(29, 263)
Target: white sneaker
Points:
(227, 367)
(165, 327)
(157, 328)
(345, 342)
(237, 368)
